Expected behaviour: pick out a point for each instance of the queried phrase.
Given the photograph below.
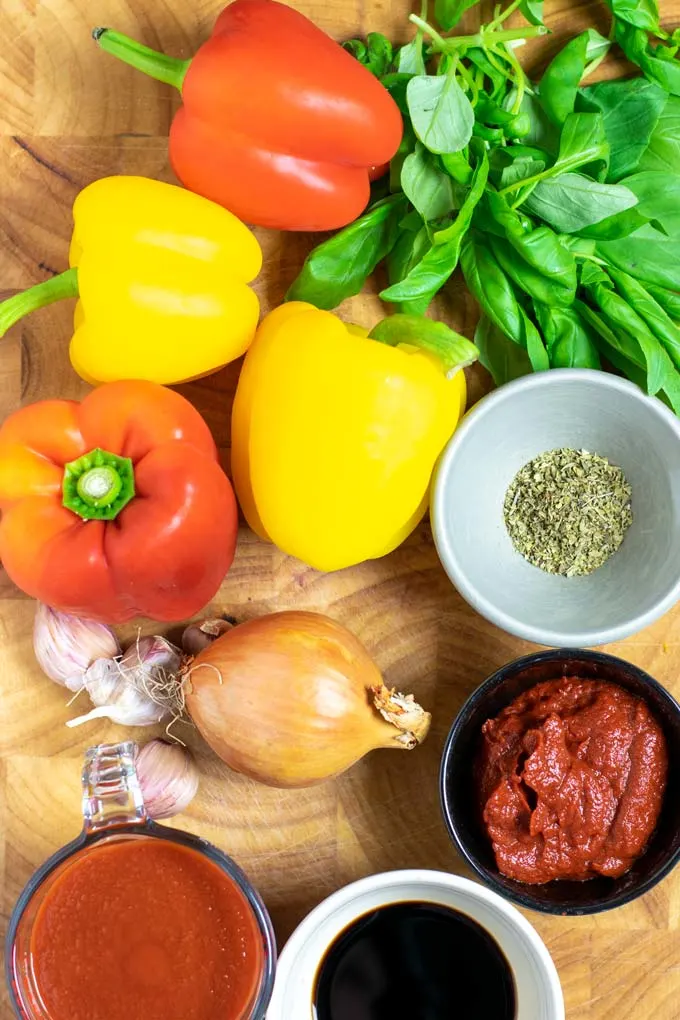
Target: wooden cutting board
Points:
(68, 115)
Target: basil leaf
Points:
(658, 63)
(406, 147)
(538, 356)
(622, 316)
(520, 170)
(440, 111)
(449, 12)
(532, 11)
(338, 268)
(490, 112)
(648, 255)
(478, 183)
(545, 269)
(501, 357)
(663, 151)
(411, 221)
(375, 55)
(424, 184)
(540, 249)
(410, 58)
(492, 135)
(380, 53)
(410, 248)
(453, 350)
(668, 299)
(658, 196)
(495, 295)
(641, 13)
(430, 274)
(568, 340)
(543, 134)
(526, 277)
(583, 144)
(618, 340)
(630, 111)
(578, 245)
(654, 316)
(498, 78)
(357, 48)
(571, 202)
(457, 167)
(598, 46)
(614, 227)
(396, 84)
(515, 163)
(495, 216)
(625, 353)
(560, 83)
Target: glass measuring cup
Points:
(113, 812)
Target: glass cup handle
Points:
(111, 792)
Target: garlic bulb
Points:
(198, 636)
(168, 777)
(140, 689)
(65, 645)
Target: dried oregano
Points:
(567, 511)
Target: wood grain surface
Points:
(68, 115)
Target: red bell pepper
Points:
(117, 506)
(280, 125)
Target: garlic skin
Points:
(168, 777)
(140, 689)
(65, 645)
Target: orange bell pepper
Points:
(116, 506)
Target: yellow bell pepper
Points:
(162, 276)
(335, 434)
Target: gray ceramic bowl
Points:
(562, 408)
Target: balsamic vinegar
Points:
(414, 961)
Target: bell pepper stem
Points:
(452, 350)
(65, 285)
(157, 65)
(98, 485)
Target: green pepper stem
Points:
(157, 65)
(65, 285)
(98, 485)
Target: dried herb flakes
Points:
(568, 511)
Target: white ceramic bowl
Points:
(579, 409)
(537, 986)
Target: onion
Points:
(293, 698)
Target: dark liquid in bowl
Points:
(418, 961)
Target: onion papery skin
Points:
(288, 699)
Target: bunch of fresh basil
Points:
(560, 203)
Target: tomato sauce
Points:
(572, 776)
(146, 929)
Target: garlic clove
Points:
(152, 653)
(66, 645)
(198, 636)
(142, 688)
(168, 777)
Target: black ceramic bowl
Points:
(461, 808)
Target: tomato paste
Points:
(572, 776)
(145, 929)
